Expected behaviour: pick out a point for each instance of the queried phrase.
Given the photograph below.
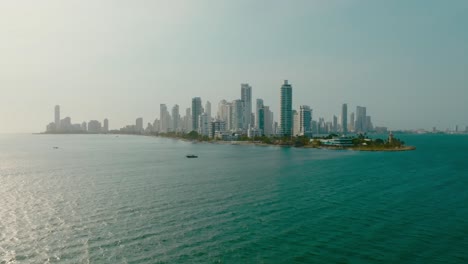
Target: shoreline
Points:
(251, 143)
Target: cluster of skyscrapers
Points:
(233, 118)
(65, 125)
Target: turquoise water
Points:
(129, 199)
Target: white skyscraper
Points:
(223, 111)
(286, 118)
(246, 97)
(268, 126)
(204, 125)
(296, 123)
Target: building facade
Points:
(286, 118)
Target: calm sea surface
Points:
(129, 199)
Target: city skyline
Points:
(236, 118)
(405, 63)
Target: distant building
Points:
(105, 128)
(351, 123)
(175, 118)
(296, 123)
(223, 111)
(268, 129)
(84, 127)
(196, 112)
(246, 97)
(305, 119)
(94, 126)
(335, 124)
(204, 125)
(360, 125)
(237, 113)
(208, 110)
(369, 125)
(139, 125)
(57, 118)
(344, 119)
(286, 118)
(257, 114)
(217, 126)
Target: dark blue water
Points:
(128, 199)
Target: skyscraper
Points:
(258, 107)
(246, 97)
(351, 123)
(268, 126)
(260, 120)
(335, 124)
(286, 110)
(203, 125)
(344, 119)
(305, 119)
(208, 110)
(175, 118)
(57, 117)
(106, 126)
(196, 112)
(360, 125)
(296, 123)
(163, 119)
(138, 125)
(238, 115)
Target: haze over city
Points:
(405, 61)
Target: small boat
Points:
(191, 156)
(55, 147)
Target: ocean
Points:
(136, 199)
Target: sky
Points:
(406, 61)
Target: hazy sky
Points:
(407, 61)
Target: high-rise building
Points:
(138, 125)
(305, 119)
(369, 126)
(237, 115)
(57, 117)
(344, 119)
(286, 117)
(223, 111)
(84, 127)
(164, 119)
(196, 112)
(258, 107)
(260, 120)
(335, 124)
(204, 125)
(246, 97)
(175, 118)
(360, 124)
(268, 126)
(296, 123)
(105, 129)
(208, 110)
(351, 123)
(187, 120)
